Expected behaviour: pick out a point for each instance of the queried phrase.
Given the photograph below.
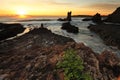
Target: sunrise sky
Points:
(57, 7)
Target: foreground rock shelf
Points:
(34, 55)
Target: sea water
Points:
(85, 36)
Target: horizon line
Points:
(50, 15)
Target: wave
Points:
(36, 20)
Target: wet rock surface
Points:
(30, 57)
(69, 28)
(108, 32)
(10, 30)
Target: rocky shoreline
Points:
(34, 56)
(108, 32)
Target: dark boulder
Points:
(97, 18)
(60, 19)
(10, 30)
(86, 19)
(114, 17)
(69, 28)
(2, 27)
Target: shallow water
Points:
(85, 35)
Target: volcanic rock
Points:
(108, 32)
(38, 62)
(114, 17)
(10, 30)
(69, 28)
(97, 18)
(68, 18)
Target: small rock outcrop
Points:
(114, 17)
(97, 18)
(69, 28)
(10, 30)
(60, 19)
(68, 18)
(86, 19)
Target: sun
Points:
(21, 13)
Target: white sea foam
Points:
(85, 35)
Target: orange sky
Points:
(57, 7)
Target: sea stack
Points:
(69, 16)
(97, 18)
(67, 25)
(114, 17)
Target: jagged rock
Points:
(97, 18)
(10, 30)
(68, 18)
(116, 70)
(4, 76)
(109, 61)
(108, 32)
(107, 58)
(69, 28)
(114, 17)
(28, 67)
(39, 61)
(43, 36)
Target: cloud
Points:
(60, 3)
(54, 2)
(105, 6)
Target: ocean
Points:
(85, 36)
